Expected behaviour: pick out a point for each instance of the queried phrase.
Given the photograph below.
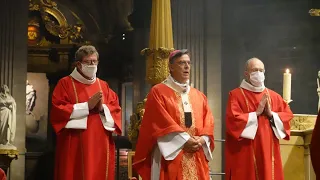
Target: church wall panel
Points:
(188, 21)
(197, 27)
(13, 68)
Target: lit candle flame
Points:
(287, 71)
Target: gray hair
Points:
(248, 62)
(176, 54)
(84, 51)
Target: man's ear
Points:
(170, 67)
(246, 74)
(77, 64)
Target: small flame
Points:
(287, 71)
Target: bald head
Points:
(254, 64)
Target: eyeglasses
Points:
(88, 62)
(184, 63)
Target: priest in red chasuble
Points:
(257, 118)
(176, 135)
(85, 112)
(315, 147)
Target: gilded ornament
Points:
(33, 7)
(10, 153)
(49, 13)
(44, 42)
(302, 122)
(157, 64)
(135, 121)
(49, 3)
(314, 12)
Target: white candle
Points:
(287, 86)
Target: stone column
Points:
(212, 84)
(160, 42)
(13, 70)
(140, 20)
(157, 56)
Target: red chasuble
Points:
(259, 158)
(163, 115)
(315, 147)
(87, 154)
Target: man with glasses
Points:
(176, 134)
(85, 112)
(256, 119)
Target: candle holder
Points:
(318, 90)
(288, 101)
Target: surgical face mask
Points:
(257, 78)
(89, 70)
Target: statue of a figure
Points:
(32, 120)
(318, 90)
(8, 118)
(30, 98)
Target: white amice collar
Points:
(249, 87)
(77, 76)
(175, 85)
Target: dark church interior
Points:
(221, 36)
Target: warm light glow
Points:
(288, 71)
(32, 33)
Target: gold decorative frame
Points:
(130, 160)
(61, 29)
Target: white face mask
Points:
(257, 78)
(89, 70)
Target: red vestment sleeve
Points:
(235, 117)
(208, 125)
(114, 107)
(156, 122)
(315, 147)
(62, 106)
(284, 112)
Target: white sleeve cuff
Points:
(79, 123)
(156, 163)
(206, 148)
(171, 144)
(250, 130)
(279, 129)
(107, 120)
(80, 110)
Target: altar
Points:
(295, 153)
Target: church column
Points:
(157, 55)
(212, 80)
(160, 42)
(13, 70)
(140, 20)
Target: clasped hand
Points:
(193, 144)
(95, 101)
(264, 106)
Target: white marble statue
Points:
(318, 89)
(8, 118)
(30, 98)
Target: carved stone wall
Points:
(13, 69)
